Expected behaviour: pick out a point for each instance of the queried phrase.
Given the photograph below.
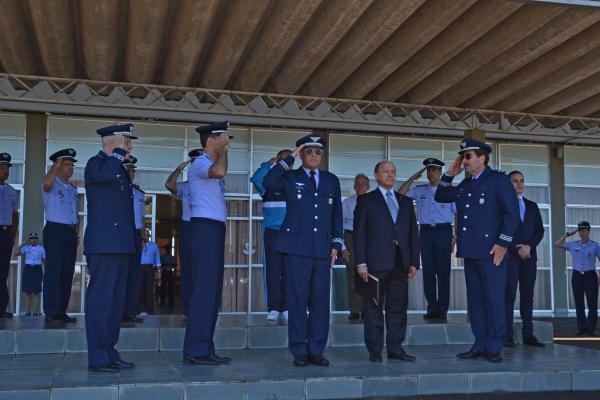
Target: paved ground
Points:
(257, 373)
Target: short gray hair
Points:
(359, 176)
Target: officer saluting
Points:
(435, 222)
(9, 222)
(182, 190)
(310, 237)
(207, 250)
(487, 218)
(134, 272)
(108, 244)
(60, 235)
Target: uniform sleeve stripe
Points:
(506, 238)
(338, 240)
(118, 156)
(284, 165)
(444, 184)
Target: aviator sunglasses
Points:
(317, 152)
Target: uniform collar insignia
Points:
(315, 138)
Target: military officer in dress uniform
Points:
(9, 223)
(207, 250)
(182, 190)
(108, 244)
(60, 235)
(584, 280)
(487, 219)
(437, 238)
(134, 273)
(310, 238)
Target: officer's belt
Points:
(434, 226)
(60, 225)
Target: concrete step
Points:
(269, 374)
(165, 333)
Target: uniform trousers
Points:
(521, 273)
(147, 288)
(436, 250)
(207, 259)
(104, 303)
(134, 279)
(184, 272)
(393, 292)
(585, 285)
(60, 243)
(486, 288)
(6, 245)
(275, 272)
(308, 283)
(354, 299)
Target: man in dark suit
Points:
(522, 264)
(310, 239)
(386, 245)
(108, 244)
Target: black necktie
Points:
(313, 181)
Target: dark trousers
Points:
(207, 259)
(147, 288)
(104, 303)
(436, 250)
(308, 283)
(6, 245)
(60, 243)
(134, 279)
(585, 285)
(185, 276)
(393, 296)
(275, 273)
(521, 273)
(486, 289)
(354, 299)
(167, 286)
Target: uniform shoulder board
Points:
(593, 241)
(72, 185)
(424, 184)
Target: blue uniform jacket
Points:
(313, 222)
(487, 212)
(110, 223)
(530, 231)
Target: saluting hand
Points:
(456, 167)
(57, 164)
(296, 152)
(499, 252)
(418, 174)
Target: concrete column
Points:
(557, 228)
(33, 207)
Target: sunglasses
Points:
(468, 156)
(317, 152)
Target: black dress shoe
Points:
(428, 316)
(6, 315)
(532, 341)
(103, 368)
(401, 355)
(222, 360)
(495, 357)
(319, 361)
(509, 342)
(68, 319)
(50, 318)
(301, 362)
(375, 357)
(201, 360)
(122, 364)
(354, 316)
(471, 355)
(132, 319)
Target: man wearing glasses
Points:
(310, 239)
(487, 219)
